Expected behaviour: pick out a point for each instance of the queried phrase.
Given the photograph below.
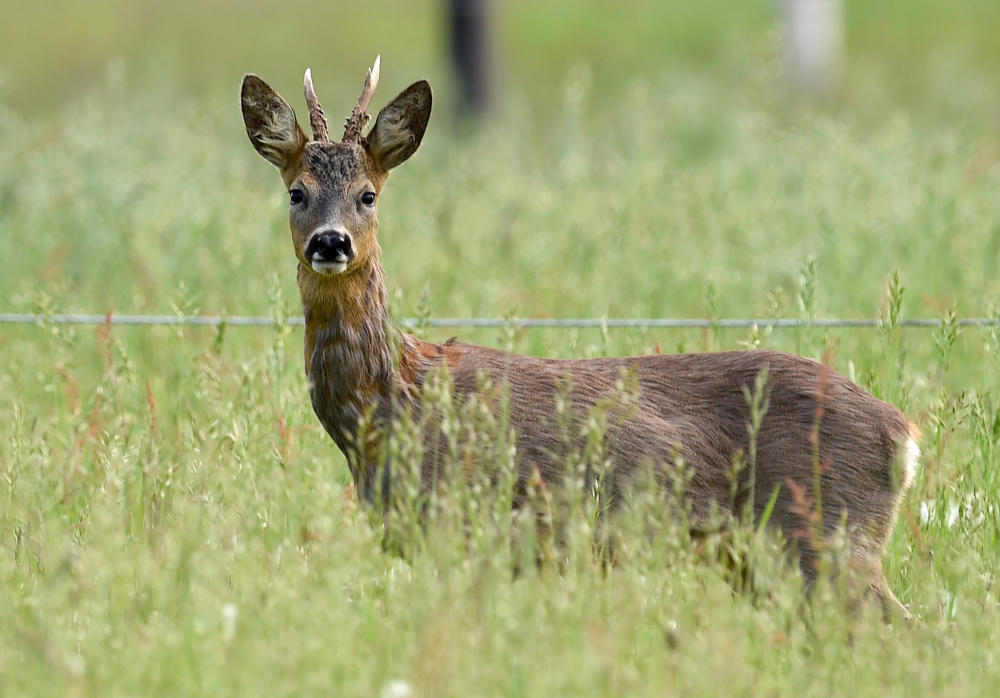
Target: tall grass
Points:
(174, 521)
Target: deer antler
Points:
(316, 118)
(358, 118)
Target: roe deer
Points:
(691, 405)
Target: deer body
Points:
(691, 405)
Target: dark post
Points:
(472, 54)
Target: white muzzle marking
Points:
(329, 267)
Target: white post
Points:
(814, 43)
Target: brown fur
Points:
(691, 405)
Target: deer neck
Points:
(349, 360)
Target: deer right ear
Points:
(400, 126)
(270, 122)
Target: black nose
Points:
(332, 246)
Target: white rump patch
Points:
(911, 462)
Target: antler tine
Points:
(359, 117)
(316, 118)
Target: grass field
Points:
(174, 521)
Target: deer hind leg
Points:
(893, 610)
(857, 573)
(908, 459)
(870, 555)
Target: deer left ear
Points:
(271, 124)
(400, 126)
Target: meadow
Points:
(173, 519)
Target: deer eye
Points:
(296, 196)
(368, 198)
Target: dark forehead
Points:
(335, 165)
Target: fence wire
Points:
(581, 323)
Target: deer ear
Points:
(400, 126)
(271, 124)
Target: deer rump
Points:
(695, 407)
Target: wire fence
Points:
(581, 323)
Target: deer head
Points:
(334, 187)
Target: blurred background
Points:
(53, 52)
(633, 158)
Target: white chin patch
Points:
(328, 268)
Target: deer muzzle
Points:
(330, 251)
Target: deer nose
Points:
(330, 246)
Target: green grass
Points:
(173, 520)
